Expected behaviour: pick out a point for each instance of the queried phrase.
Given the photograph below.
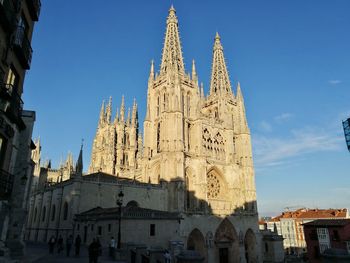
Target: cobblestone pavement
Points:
(39, 253)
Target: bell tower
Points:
(171, 99)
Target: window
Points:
(78, 227)
(188, 104)
(23, 24)
(188, 136)
(12, 80)
(100, 230)
(65, 211)
(323, 247)
(164, 102)
(109, 227)
(152, 230)
(2, 150)
(53, 213)
(158, 138)
(44, 214)
(348, 246)
(92, 227)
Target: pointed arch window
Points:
(158, 138)
(164, 101)
(188, 104)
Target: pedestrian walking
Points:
(59, 244)
(167, 256)
(69, 243)
(52, 242)
(93, 251)
(77, 244)
(112, 248)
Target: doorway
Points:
(223, 255)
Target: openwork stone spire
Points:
(102, 114)
(241, 110)
(172, 55)
(79, 164)
(220, 82)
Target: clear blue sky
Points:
(291, 57)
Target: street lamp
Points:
(119, 203)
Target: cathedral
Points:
(192, 161)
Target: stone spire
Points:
(122, 110)
(241, 110)
(134, 117)
(79, 164)
(172, 55)
(194, 72)
(102, 114)
(220, 81)
(109, 110)
(128, 118)
(116, 119)
(151, 72)
(202, 91)
(69, 161)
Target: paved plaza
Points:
(39, 253)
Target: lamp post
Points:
(119, 203)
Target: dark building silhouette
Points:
(17, 19)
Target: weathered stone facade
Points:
(195, 159)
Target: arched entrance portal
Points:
(196, 242)
(226, 241)
(250, 247)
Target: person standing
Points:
(52, 242)
(69, 242)
(112, 248)
(167, 256)
(77, 245)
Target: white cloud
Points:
(334, 81)
(275, 151)
(265, 126)
(283, 117)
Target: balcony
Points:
(7, 15)
(6, 184)
(22, 48)
(34, 7)
(11, 104)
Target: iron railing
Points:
(6, 184)
(34, 7)
(7, 15)
(22, 47)
(10, 102)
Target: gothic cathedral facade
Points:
(202, 141)
(196, 147)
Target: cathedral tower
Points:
(117, 145)
(171, 100)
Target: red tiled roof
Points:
(313, 213)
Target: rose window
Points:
(213, 186)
